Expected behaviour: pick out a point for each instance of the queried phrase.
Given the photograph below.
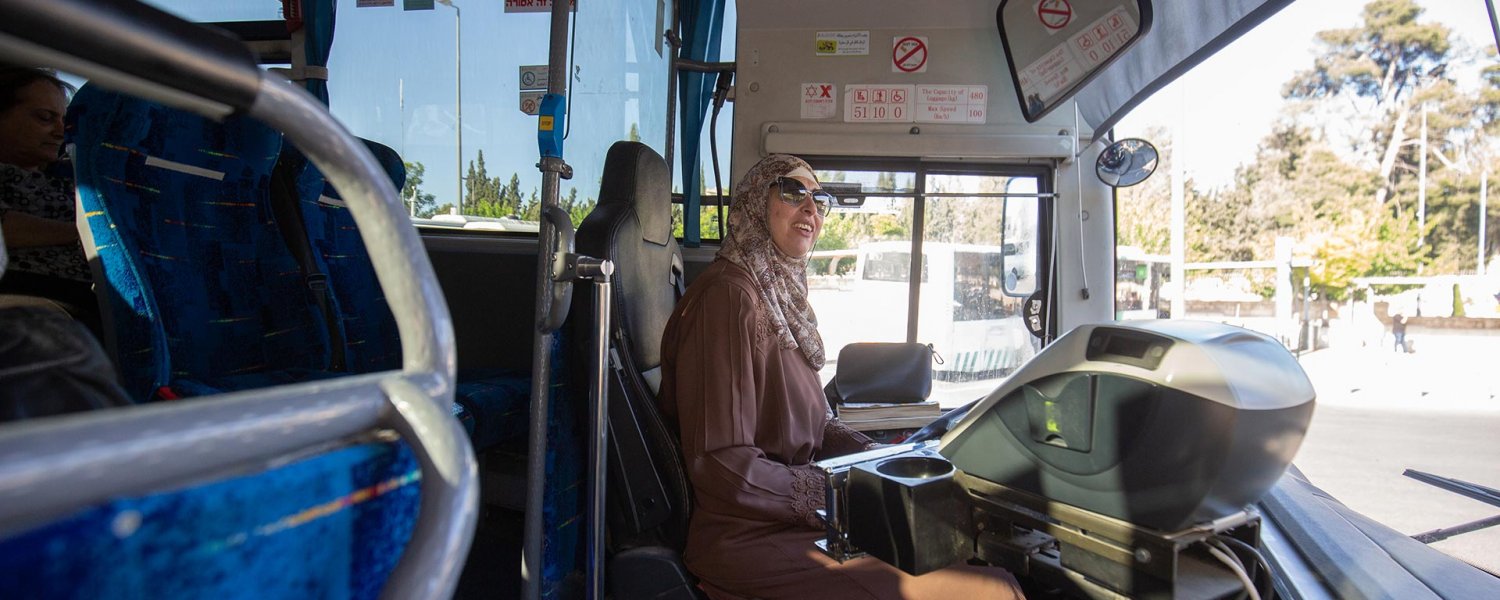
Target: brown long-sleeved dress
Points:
(753, 417)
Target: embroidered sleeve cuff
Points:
(807, 496)
(840, 439)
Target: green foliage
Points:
(1354, 213)
(708, 222)
(1458, 301)
(421, 204)
(488, 197)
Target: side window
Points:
(449, 90)
(969, 317)
(446, 87)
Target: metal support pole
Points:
(553, 170)
(599, 271)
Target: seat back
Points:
(363, 318)
(328, 525)
(198, 282)
(632, 225)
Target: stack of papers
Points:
(874, 416)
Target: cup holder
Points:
(914, 467)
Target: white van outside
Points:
(965, 314)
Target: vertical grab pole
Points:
(599, 271)
(549, 139)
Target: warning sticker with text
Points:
(951, 103)
(843, 43)
(819, 101)
(864, 103)
(1049, 76)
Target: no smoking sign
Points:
(909, 54)
(1054, 14)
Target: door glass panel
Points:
(965, 311)
(857, 278)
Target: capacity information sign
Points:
(865, 103)
(959, 104)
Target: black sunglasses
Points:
(794, 193)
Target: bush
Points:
(1458, 302)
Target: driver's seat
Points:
(649, 497)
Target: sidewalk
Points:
(1449, 373)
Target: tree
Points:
(421, 204)
(1143, 213)
(482, 196)
(1387, 61)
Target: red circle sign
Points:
(1055, 14)
(909, 54)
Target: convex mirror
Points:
(1126, 162)
(1054, 47)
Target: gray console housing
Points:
(1163, 424)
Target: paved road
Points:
(1436, 411)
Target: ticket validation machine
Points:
(1109, 465)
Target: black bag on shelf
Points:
(882, 372)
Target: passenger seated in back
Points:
(37, 209)
(48, 364)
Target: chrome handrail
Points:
(143, 51)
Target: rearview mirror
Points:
(849, 195)
(1126, 163)
(1054, 47)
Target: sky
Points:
(1227, 104)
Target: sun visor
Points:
(1182, 35)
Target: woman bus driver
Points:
(740, 360)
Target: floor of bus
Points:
(493, 569)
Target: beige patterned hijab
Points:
(782, 279)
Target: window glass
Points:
(857, 277)
(1140, 279)
(722, 137)
(395, 77)
(222, 10)
(967, 315)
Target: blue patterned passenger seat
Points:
(202, 293)
(491, 404)
(332, 525)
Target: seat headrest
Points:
(633, 172)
